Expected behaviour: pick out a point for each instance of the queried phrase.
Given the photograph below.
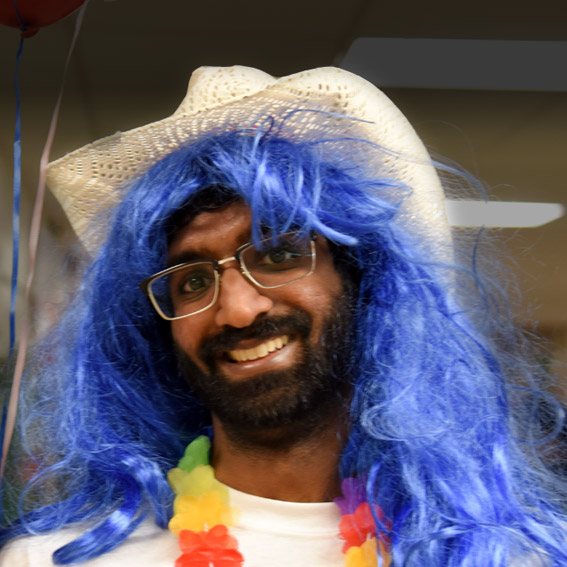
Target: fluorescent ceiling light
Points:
(501, 213)
(459, 63)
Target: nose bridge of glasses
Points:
(230, 259)
(236, 258)
(241, 266)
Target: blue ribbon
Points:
(16, 203)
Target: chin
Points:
(301, 382)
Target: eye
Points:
(277, 259)
(274, 261)
(194, 283)
(279, 256)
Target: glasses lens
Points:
(279, 261)
(185, 290)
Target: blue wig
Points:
(443, 418)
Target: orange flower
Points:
(365, 555)
(356, 528)
(211, 548)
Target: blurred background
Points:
(134, 57)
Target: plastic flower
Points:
(354, 494)
(356, 528)
(200, 480)
(365, 555)
(196, 453)
(198, 513)
(211, 548)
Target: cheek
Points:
(330, 284)
(185, 335)
(187, 338)
(320, 299)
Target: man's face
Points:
(260, 357)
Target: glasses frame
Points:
(145, 285)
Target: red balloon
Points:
(35, 14)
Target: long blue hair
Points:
(444, 417)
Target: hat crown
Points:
(215, 86)
(320, 104)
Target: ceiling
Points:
(133, 59)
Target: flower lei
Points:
(202, 515)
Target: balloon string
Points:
(16, 203)
(23, 27)
(32, 250)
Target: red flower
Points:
(214, 547)
(359, 527)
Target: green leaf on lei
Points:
(196, 453)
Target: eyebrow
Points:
(189, 255)
(184, 257)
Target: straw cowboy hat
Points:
(311, 105)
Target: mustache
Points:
(299, 323)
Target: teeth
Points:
(259, 351)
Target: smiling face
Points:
(259, 357)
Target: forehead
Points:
(212, 233)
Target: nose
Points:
(240, 301)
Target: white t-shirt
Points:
(270, 533)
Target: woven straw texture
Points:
(312, 105)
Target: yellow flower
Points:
(365, 555)
(195, 483)
(199, 513)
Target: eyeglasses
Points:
(192, 287)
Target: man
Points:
(273, 282)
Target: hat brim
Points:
(312, 105)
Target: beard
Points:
(299, 398)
